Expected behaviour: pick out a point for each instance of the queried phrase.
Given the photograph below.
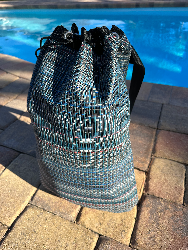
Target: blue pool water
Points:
(159, 35)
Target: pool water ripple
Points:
(159, 35)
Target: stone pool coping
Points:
(67, 4)
(33, 218)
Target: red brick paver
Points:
(37, 229)
(186, 188)
(11, 112)
(160, 93)
(118, 226)
(171, 145)
(146, 113)
(3, 230)
(144, 91)
(18, 183)
(174, 118)
(166, 180)
(56, 205)
(109, 244)
(6, 78)
(161, 225)
(7, 155)
(140, 177)
(19, 136)
(12, 90)
(142, 140)
(179, 97)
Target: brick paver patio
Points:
(33, 218)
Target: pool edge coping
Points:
(90, 5)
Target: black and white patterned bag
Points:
(80, 111)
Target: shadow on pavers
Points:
(9, 115)
(17, 144)
(18, 134)
(18, 147)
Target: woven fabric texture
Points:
(80, 111)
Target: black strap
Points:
(137, 77)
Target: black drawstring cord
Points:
(95, 38)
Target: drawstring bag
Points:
(80, 110)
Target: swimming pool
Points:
(159, 35)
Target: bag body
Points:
(80, 111)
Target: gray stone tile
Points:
(174, 118)
(146, 113)
(161, 225)
(142, 141)
(160, 93)
(19, 136)
(179, 97)
(11, 112)
(12, 90)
